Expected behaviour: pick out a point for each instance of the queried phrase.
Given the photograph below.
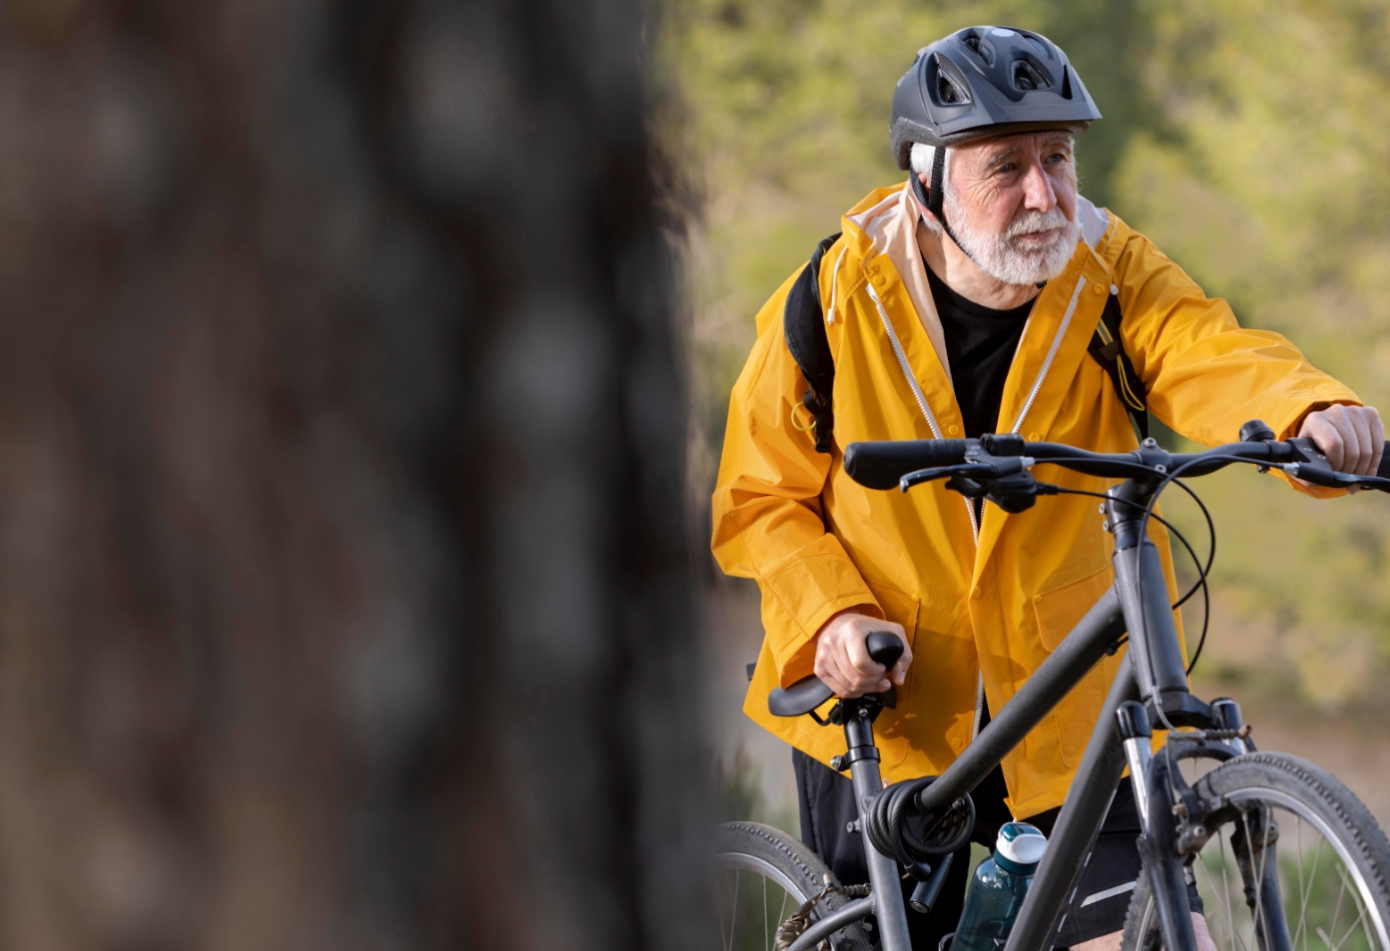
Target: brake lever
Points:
(982, 468)
(1318, 472)
(968, 470)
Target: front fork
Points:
(1175, 827)
(1162, 863)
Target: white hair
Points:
(997, 254)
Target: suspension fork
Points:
(863, 760)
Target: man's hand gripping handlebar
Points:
(804, 696)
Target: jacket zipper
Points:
(917, 391)
(936, 430)
(1051, 353)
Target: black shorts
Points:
(1098, 906)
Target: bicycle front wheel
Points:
(1295, 862)
(763, 877)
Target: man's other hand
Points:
(842, 657)
(1351, 437)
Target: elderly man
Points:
(964, 303)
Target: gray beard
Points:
(997, 255)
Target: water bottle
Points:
(996, 891)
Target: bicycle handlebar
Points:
(903, 463)
(995, 466)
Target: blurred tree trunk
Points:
(343, 593)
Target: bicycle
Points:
(1221, 831)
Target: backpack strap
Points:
(803, 323)
(1109, 352)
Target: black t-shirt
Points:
(980, 344)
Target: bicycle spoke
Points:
(1302, 927)
(723, 939)
(766, 939)
(1361, 916)
(1312, 874)
(733, 920)
(1268, 944)
(1337, 911)
(1204, 875)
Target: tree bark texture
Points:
(343, 578)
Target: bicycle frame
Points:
(1153, 671)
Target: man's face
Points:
(1012, 203)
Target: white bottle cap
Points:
(1021, 843)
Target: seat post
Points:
(863, 760)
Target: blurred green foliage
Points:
(1250, 141)
(740, 796)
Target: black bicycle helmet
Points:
(984, 81)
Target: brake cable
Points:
(1203, 571)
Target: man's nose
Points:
(1038, 194)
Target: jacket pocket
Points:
(1058, 609)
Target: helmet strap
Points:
(934, 200)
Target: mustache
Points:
(1030, 221)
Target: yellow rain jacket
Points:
(990, 608)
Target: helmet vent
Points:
(948, 92)
(975, 43)
(1066, 82)
(1038, 43)
(1027, 77)
(949, 87)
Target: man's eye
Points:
(1007, 167)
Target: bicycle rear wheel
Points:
(763, 877)
(1293, 833)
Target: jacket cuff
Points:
(803, 591)
(1290, 428)
(802, 663)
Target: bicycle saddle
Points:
(810, 692)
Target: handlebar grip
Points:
(884, 647)
(1384, 470)
(879, 465)
(800, 698)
